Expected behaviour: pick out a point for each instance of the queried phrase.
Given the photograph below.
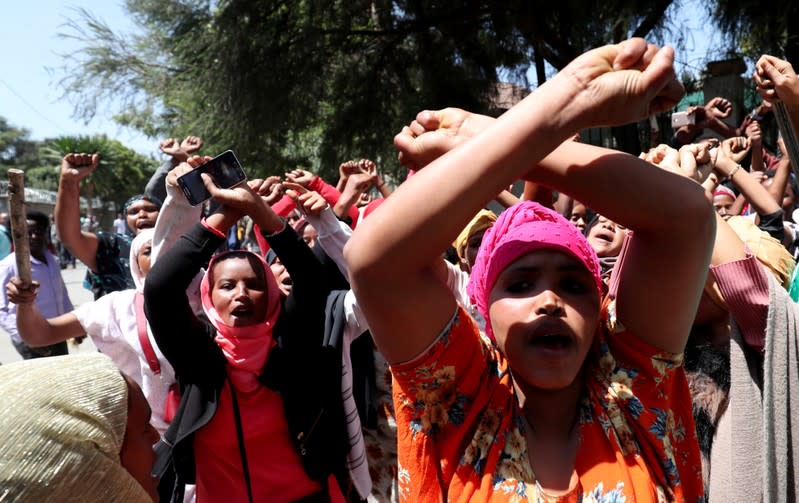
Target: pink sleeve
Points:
(332, 195)
(744, 286)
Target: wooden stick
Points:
(19, 224)
(788, 135)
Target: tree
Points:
(315, 82)
(121, 174)
(16, 149)
(755, 28)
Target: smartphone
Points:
(680, 119)
(224, 169)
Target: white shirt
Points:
(52, 299)
(111, 323)
(120, 226)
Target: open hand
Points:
(241, 197)
(309, 202)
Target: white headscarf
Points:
(138, 243)
(62, 425)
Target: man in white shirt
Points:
(52, 299)
(120, 225)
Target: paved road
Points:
(73, 278)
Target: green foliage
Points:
(43, 177)
(122, 172)
(16, 149)
(313, 82)
(754, 28)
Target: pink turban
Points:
(519, 230)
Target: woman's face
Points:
(309, 235)
(723, 205)
(606, 237)
(143, 258)
(544, 310)
(473, 246)
(282, 277)
(578, 216)
(238, 292)
(364, 199)
(142, 214)
(137, 455)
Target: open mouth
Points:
(552, 341)
(242, 312)
(551, 338)
(606, 236)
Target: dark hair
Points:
(256, 264)
(38, 217)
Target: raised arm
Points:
(755, 193)
(777, 80)
(177, 152)
(669, 216)
(176, 216)
(83, 245)
(392, 258)
(35, 329)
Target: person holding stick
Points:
(52, 299)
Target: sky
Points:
(29, 94)
(30, 97)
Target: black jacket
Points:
(305, 371)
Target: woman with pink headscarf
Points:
(575, 397)
(248, 428)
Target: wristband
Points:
(213, 230)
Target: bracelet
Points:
(733, 171)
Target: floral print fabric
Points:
(461, 435)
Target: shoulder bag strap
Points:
(240, 435)
(144, 340)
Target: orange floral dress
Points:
(461, 435)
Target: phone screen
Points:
(224, 169)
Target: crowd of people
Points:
(624, 330)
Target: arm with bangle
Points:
(754, 192)
(767, 209)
